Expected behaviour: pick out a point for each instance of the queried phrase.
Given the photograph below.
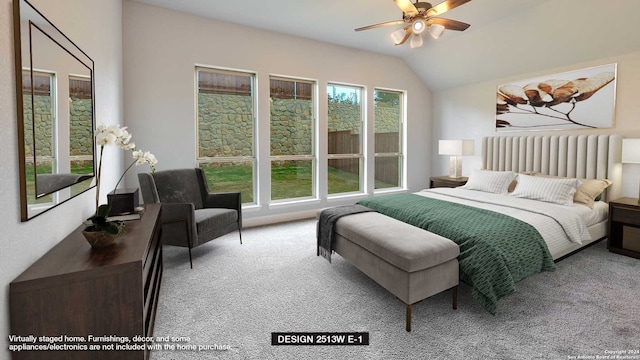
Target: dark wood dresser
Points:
(76, 291)
(624, 227)
(445, 181)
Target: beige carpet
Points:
(237, 295)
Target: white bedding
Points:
(593, 216)
(560, 226)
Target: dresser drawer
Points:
(625, 215)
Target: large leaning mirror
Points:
(55, 106)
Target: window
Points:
(388, 119)
(345, 119)
(292, 148)
(226, 130)
(40, 150)
(80, 158)
(80, 119)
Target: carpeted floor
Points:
(237, 295)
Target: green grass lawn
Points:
(289, 180)
(45, 168)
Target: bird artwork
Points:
(564, 101)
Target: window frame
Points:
(253, 158)
(313, 156)
(361, 155)
(401, 154)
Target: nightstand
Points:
(624, 227)
(445, 181)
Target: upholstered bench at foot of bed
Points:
(410, 262)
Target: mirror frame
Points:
(70, 47)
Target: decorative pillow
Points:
(589, 191)
(489, 181)
(514, 183)
(553, 190)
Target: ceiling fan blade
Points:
(407, 7)
(380, 25)
(445, 6)
(449, 24)
(407, 34)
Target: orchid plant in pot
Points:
(101, 232)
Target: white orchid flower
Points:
(116, 130)
(130, 146)
(104, 138)
(150, 158)
(119, 136)
(138, 156)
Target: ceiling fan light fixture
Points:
(419, 16)
(418, 26)
(397, 36)
(436, 30)
(416, 41)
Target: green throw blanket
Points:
(496, 250)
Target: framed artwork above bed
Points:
(580, 99)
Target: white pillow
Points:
(490, 181)
(587, 191)
(553, 190)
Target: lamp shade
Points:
(456, 147)
(416, 41)
(631, 151)
(398, 35)
(436, 30)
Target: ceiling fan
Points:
(420, 16)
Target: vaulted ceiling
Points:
(506, 37)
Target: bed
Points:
(595, 156)
(494, 256)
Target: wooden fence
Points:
(80, 88)
(210, 82)
(41, 84)
(345, 142)
(231, 83)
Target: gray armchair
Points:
(191, 215)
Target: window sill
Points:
(347, 196)
(284, 203)
(251, 207)
(390, 191)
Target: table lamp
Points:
(456, 149)
(631, 154)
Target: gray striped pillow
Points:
(553, 190)
(490, 181)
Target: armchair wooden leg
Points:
(189, 244)
(240, 233)
(455, 297)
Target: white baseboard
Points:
(280, 218)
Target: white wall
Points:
(96, 28)
(468, 112)
(162, 47)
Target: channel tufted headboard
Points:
(579, 156)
